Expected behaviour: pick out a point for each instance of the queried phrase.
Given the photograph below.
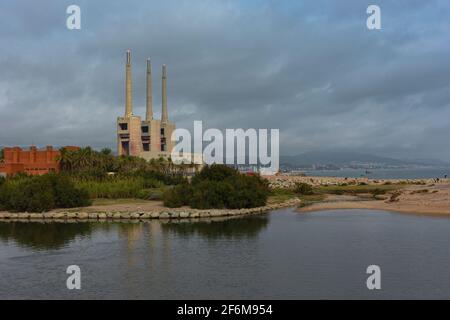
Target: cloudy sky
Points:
(310, 68)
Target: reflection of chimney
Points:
(149, 115)
(128, 89)
(164, 117)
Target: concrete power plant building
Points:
(149, 138)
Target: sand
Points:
(413, 199)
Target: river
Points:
(280, 255)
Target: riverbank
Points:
(141, 211)
(433, 199)
(290, 181)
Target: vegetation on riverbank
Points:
(87, 175)
(41, 193)
(218, 187)
(309, 194)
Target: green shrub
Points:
(67, 195)
(303, 189)
(151, 194)
(209, 194)
(378, 191)
(219, 186)
(112, 188)
(41, 193)
(178, 196)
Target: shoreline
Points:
(421, 200)
(345, 205)
(163, 213)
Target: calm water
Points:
(383, 173)
(278, 255)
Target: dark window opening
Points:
(125, 148)
(123, 126)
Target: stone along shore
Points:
(166, 213)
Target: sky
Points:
(309, 68)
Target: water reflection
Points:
(43, 236)
(52, 235)
(237, 228)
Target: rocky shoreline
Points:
(166, 214)
(286, 182)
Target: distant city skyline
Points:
(311, 69)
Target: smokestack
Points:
(149, 115)
(128, 89)
(164, 116)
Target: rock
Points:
(93, 215)
(36, 216)
(59, 215)
(174, 214)
(4, 215)
(146, 215)
(194, 214)
(116, 215)
(71, 215)
(155, 214)
(82, 215)
(13, 215)
(164, 215)
(217, 213)
(184, 214)
(110, 215)
(204, 214)
(135, 215)
(102, 215)
(124, 215)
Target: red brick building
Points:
(32, 162)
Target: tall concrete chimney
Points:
(128, 88)
(149, 114)
(164, 116)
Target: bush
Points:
(67, 195)
(112, 188)
(219, 186)
(41, 193)
(303, 189)
(150, 194)
(178, 196)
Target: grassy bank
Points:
(358, 189)
(319, 193)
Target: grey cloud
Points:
(310, 68)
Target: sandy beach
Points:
(417, 199)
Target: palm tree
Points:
(65, 159)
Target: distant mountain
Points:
(346, 158)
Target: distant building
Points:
(149, 138)
(135, 136)
(33, 161)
